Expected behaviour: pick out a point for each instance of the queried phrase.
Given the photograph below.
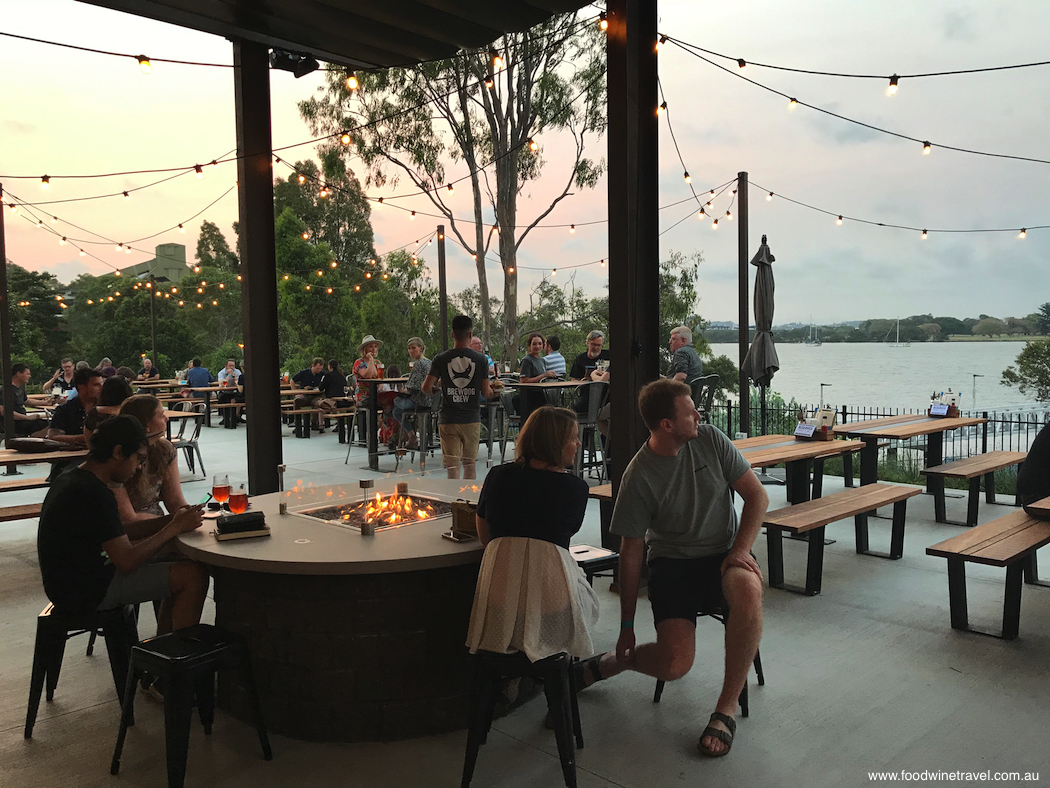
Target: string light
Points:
(412, 216)
(182, 229)
(741, 64)
(534, 146)
(1023, 233)
(729, 216)
(451, 190)
(924, 235)
(926, 148)
(603, 21)
(714, 224)
(379, 201)
(572, 228)
(554, 272)
(510, 270)
(702, 213)
(144, 65)
(792, 103)
(200, 172)
(45, 182)
(324, 191)
(662, 108)
(769, 197)
(62, 242)
(497, 61)
(838, 221)
(215, 164)
(127, 196)
(660, 42)
(54, 219)
(306, 236)
(687, 178)
(352, 82)
(357, 288)
(334, 264)
(603, 263)
(329, 291)
(345, 139)
(891, 90)
(302, 179)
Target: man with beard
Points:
(464, 377)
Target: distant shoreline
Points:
(951, 338)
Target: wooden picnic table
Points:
(797, 456)
(176, 415)
(13, 459)
(902, 428)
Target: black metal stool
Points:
(559, 685)
(185, 662)
(53, 629)
(721, 616)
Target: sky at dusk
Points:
(71, 113)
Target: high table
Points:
(373, 421)
(902, 428)
(352, 638)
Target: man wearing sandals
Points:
(675, 497)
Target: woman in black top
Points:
(533, 496)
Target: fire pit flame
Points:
(396, 509)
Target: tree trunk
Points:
(507, 211)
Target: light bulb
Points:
(324, 192)
(793, 103)
(714, 224)
(741, 64)
(495, 229)
(334, 264)
(329, 290)
(891, 89)
(533, 145)
(286, 277)
(702, 213)
(45, 181)
(510, 270)
(1023, 233)
(352, 83)
(200, 173)
(769, 196)
(554, 272)
(572, 228)
(306, 236)
(302, 179)
(451, 190)
(127, 250)
(379, 201)
(603, 264)
(54, 219)
(127, 196)
(603, 21)
(182, 303)
(924, 235)
(497, 61)
(412, 216)
(357, 288)
(144, 65)
(83, 253)
(368, 274)
(308, 287)
(839, 220)
(215, 164)
(926, 148)
(182, 229)
(662, 108)
(62, 241)
(729, 216)
(119, 247)
(660, 42)
(687, 178)
(345, 138)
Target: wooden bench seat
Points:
(1009, 541)
(303, 417)
(972, 468)
(23, 512)
(811, 517)
(23, 484)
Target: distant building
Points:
(170, 264)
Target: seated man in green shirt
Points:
(676, 497)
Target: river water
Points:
(877, 375)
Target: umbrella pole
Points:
(762, 405)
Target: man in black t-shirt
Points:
(148, 370)
(586, 364)
(464, 377)
(25, 423)
(311, 378)
(88, 561)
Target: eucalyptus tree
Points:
(484, 110)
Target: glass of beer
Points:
(239, 499)
(220, 488)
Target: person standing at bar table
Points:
(463, 375)
(676, 497)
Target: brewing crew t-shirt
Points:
(79, 514)
(460, 372)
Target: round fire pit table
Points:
(353, 638)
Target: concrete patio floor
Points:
(868, 676)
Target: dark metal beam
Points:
(743, 335)
(258, 263)
(634, 243)
(5, 336)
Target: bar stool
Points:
(185, 663)
(53, 629)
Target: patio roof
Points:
(355, 33)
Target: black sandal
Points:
(726, 737)
(591, 664)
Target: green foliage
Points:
(1032, 373)
(38, 333)
(213, 251)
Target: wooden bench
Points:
(1009, 541)
(342, 416)
(972, 468)
(230, 417)
(23, 512)
(23, 484)
(811, 517)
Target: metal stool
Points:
(185, 662)
(53, 629)
(559, 685)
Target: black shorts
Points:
(683, 587)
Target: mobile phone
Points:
(458, 536)
(204, 500)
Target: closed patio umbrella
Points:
(761, 361)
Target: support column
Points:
(258, 264)
(5, 336)
(634, 243)
(743, 335)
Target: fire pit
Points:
(391, 511)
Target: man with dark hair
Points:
(25, 423)
(676, 497)
(554, 360)
(67, 425)
(310, 378)
(88, 561)
(463, 375)
(198, 376)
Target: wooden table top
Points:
(909, 426)
(181, 414)
(765, 450)
(1040, 508)
(601, 492)
(12, 457)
